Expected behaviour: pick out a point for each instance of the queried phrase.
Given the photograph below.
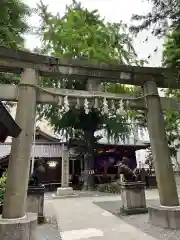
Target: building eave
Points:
(8, 127)
(46, 135)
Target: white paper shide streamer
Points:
(86, 106)
(105, 106)
(60, 104)
(113, 107)
(66, 104)
(78, 104)
(96, 104)
(120, 110)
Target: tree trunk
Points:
(89, 162)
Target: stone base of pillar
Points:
(133, 198)
(35, 202)
(165, 217)
(65, 192)
(22, 228)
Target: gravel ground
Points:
(141, 221)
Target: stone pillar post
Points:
(65, 168)
(160, 150)
(64, 190)
(19, 161)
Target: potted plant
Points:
(2, 189)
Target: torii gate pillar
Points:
(169, 202)
(15, 222)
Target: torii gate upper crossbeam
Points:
(16, 60)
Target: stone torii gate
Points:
(29, 92)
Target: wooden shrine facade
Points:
(46, 147)
(49, 149)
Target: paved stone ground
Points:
(48, 231)
(140, 221)
(80, 219)
(93, 216)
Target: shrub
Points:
(113, 187)
(2, 186)
(102, 187)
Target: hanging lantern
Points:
(52, 164)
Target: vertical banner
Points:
(65, 167)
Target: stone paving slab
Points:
(151, 193)
(140, 221)
(80, 219)
(50, 230)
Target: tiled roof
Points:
(40, 150)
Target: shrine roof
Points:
(48, 146)
(40, 150)
(54, 149)
(43, 136)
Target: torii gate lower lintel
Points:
(28, 93)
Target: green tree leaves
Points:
(13, 16)
(83, 34)
(171, 54)
(13, 24)
(164, 15)
(171, 59)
